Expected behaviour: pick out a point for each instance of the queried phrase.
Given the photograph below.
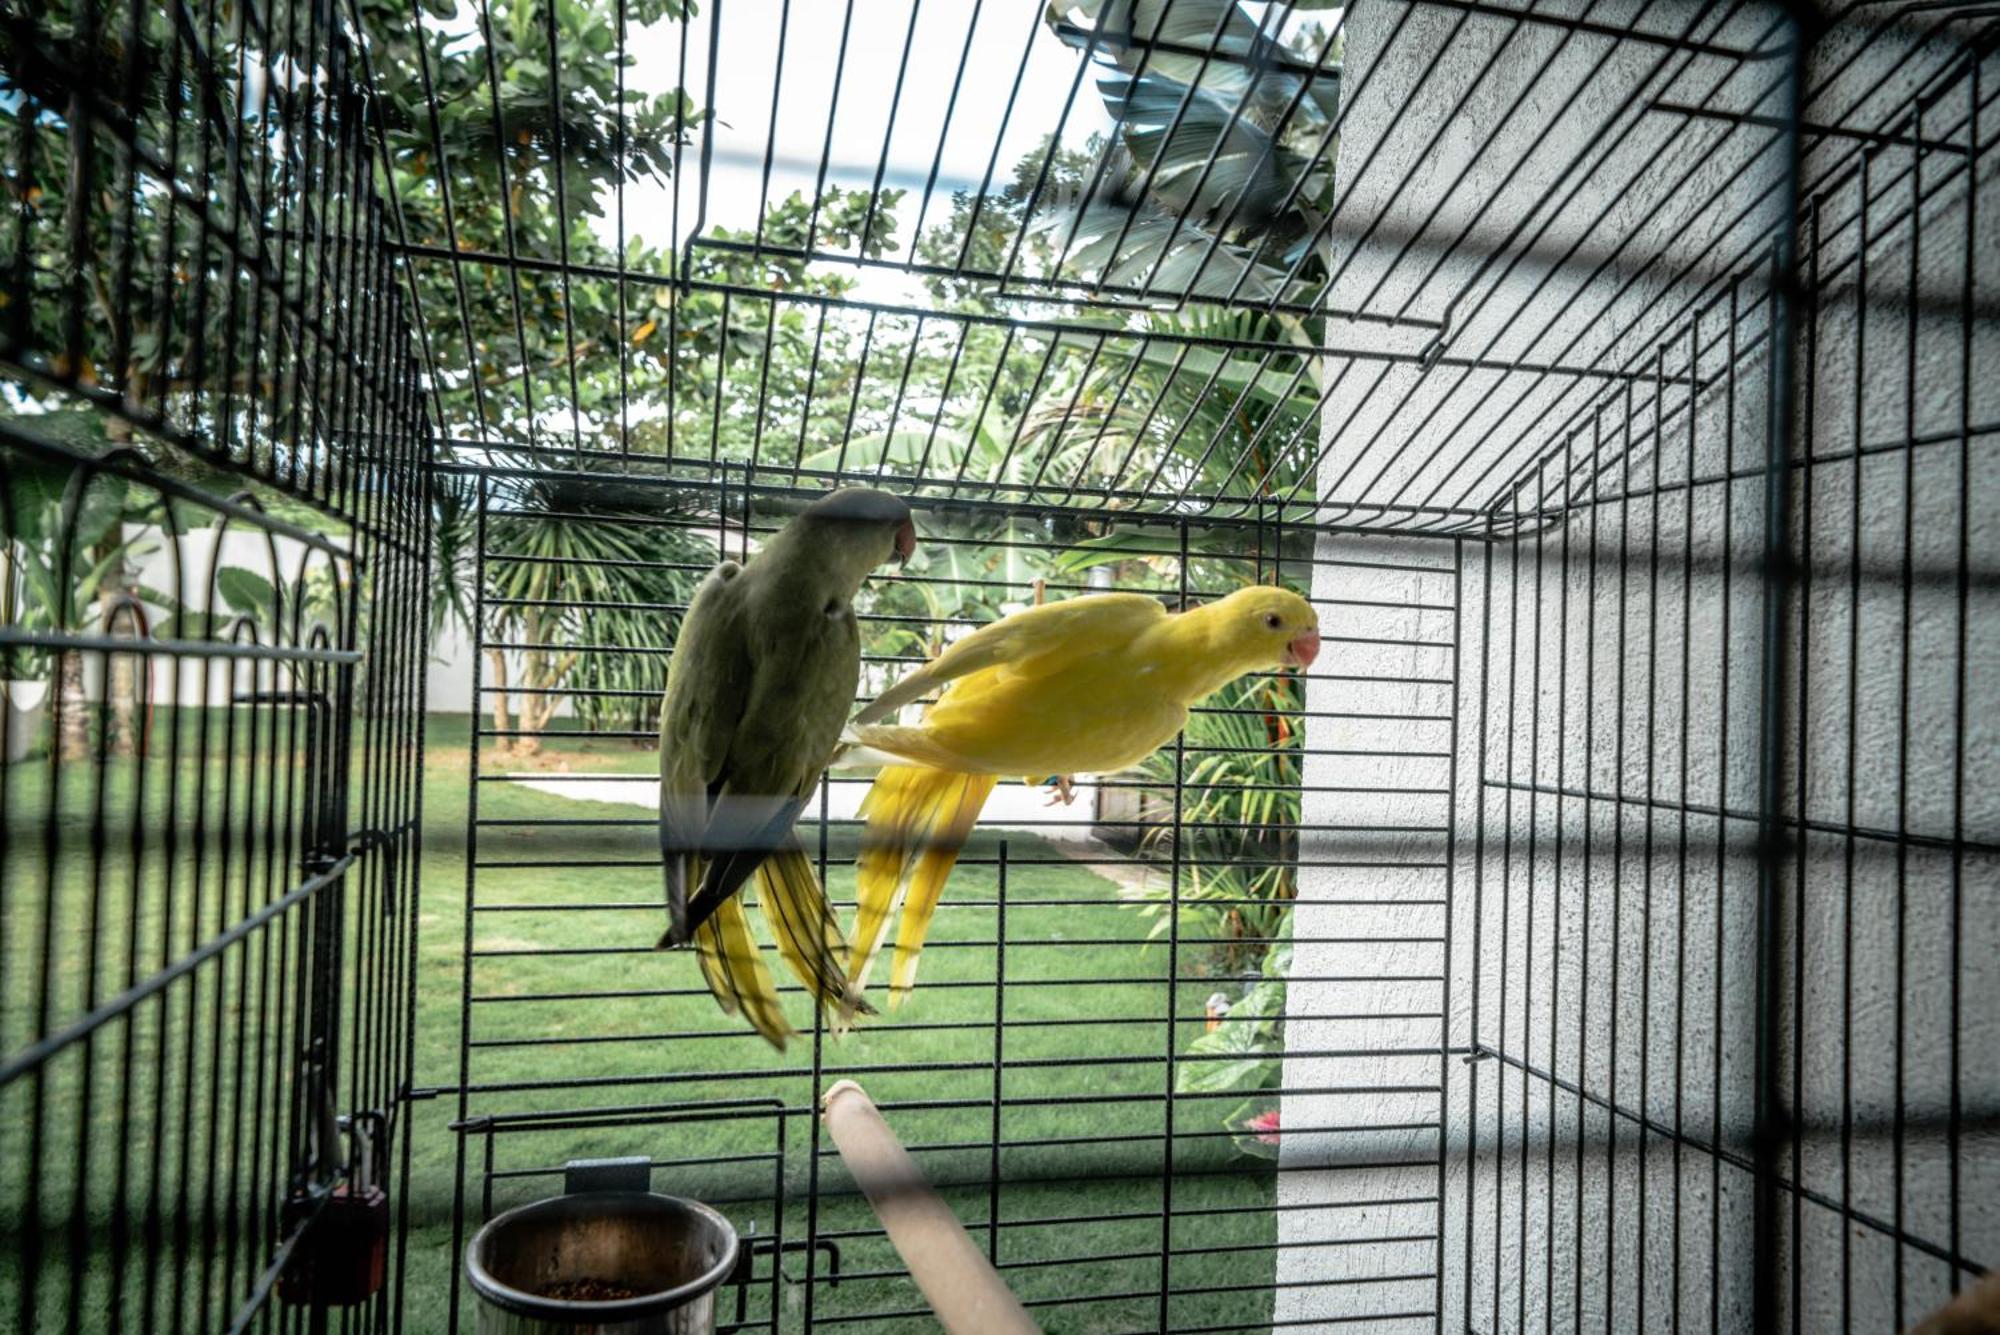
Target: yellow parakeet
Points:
(1094, 683)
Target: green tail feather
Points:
(808, 933)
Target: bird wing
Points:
(1034, 641)
(788, 725)
(706, 686)
(744, 828)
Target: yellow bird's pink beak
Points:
(1302, 650)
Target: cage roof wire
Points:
(1485, 287)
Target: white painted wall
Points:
(448, 682)
(180, 567)
(1368, 929)
(1574, 950)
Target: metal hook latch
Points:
(342, 1253)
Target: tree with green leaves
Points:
(578, 570)
(1222, 178)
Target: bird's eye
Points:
(1273, 620)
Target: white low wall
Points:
(1013, 806)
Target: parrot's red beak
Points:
(1303, 649)
(906, 542)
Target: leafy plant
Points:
(317, 597)
(247, 593)
(62, 570)
(1244, 1053)
(744, 377)
(577, 564)
(514, 143)
(994, 233)
(454, 552)
(1222, 178)
(1239, 820)
(1191, 420)
(621, 692)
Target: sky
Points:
(876, 33)
(1009, 41)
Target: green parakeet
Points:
(762, 680)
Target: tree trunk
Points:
(536, 706)
(73, 711)
(538, 709)
(545, 672)
(497, 664)
(121, 680)
(121, 688)
(529, 723)
(541, 672)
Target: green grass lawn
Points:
(572, 1013)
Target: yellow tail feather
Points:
(952, 823)
(878, 872)
(808, 934)
(735, 974)
(918, 820)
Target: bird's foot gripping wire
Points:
(1062, 788)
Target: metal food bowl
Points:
(616, 1262)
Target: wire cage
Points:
(1591, 941)
(214, 561)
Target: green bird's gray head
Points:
(874, 521)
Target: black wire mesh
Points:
(1564, 262)
(1584, 945)
(214, 561)
(1723, 979)
(1036, 1136)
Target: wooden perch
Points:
(964, 1290)
(1976, 1311)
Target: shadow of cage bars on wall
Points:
(1593, 940)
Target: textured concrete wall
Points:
(1359, 1156)
(1603, 878)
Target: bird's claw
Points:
(1062, 788)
